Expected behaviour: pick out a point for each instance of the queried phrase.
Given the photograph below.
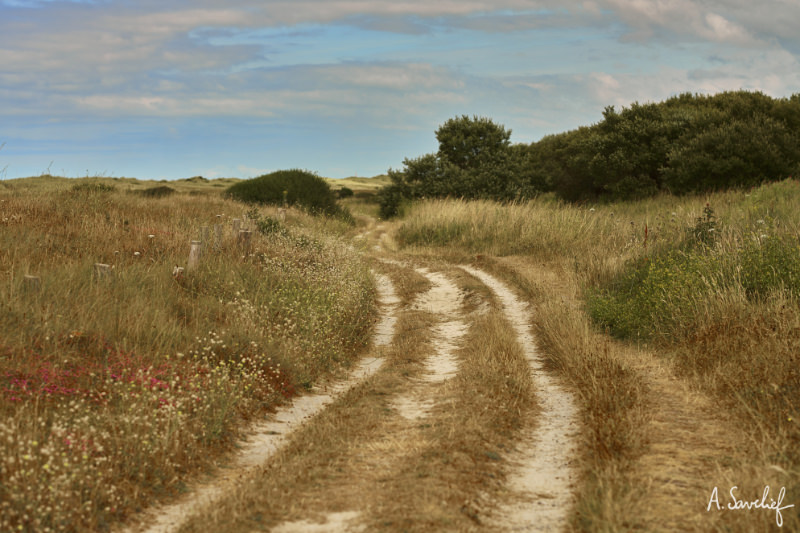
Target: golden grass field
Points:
(673, 322)
(113, 388)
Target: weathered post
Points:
(245, 239)
(101, 271)
(217, 236)
(194, 255)
(282, 214)
(237, 226)
(32, 284)
(205, 233)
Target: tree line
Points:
(687, 144)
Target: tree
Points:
(469, 143)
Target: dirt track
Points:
(374, 452)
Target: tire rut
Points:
(544, 477)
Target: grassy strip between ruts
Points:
(115, 387)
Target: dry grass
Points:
(682, 405)
(434, 473)
(114, 389)
(329, 465)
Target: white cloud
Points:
(303, 60)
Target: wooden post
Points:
(194, 255)
(101, 271)
(217, 236)
(205, 233)
(282, 214)
(245, 239)
(33, 284)
(237, 226)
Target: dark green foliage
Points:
(705, 231)
(475, 160)
(658, 296)
(769, 263)
(264, 224)
(157, 192)
(687, 144)
(735, 153)
(345, 192)
(390, 199)
(293, 187)
(469, 143)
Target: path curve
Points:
(543, 476)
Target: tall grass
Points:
(711, 283)
(114, 388)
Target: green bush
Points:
(705, 231)
(686, 144)
(656, 296)
(390, 198)
(292, 187)
(345, 192)
(475, 160)
(734, 153)
(770, 263)
(660, 295)
(266, 225)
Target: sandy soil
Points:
(543, 478)
(443, 300)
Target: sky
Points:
(170, 89)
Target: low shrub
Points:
(290, 187)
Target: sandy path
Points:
(543, 477)
(443, 300)
(265, 438)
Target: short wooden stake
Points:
(33, 284)
(282, 214)
(205, 233)
(101, 270)
(245, 239)
(237, 226)
(194, 255)
(217, 236)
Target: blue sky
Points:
(171, 89)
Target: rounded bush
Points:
(293, 187)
